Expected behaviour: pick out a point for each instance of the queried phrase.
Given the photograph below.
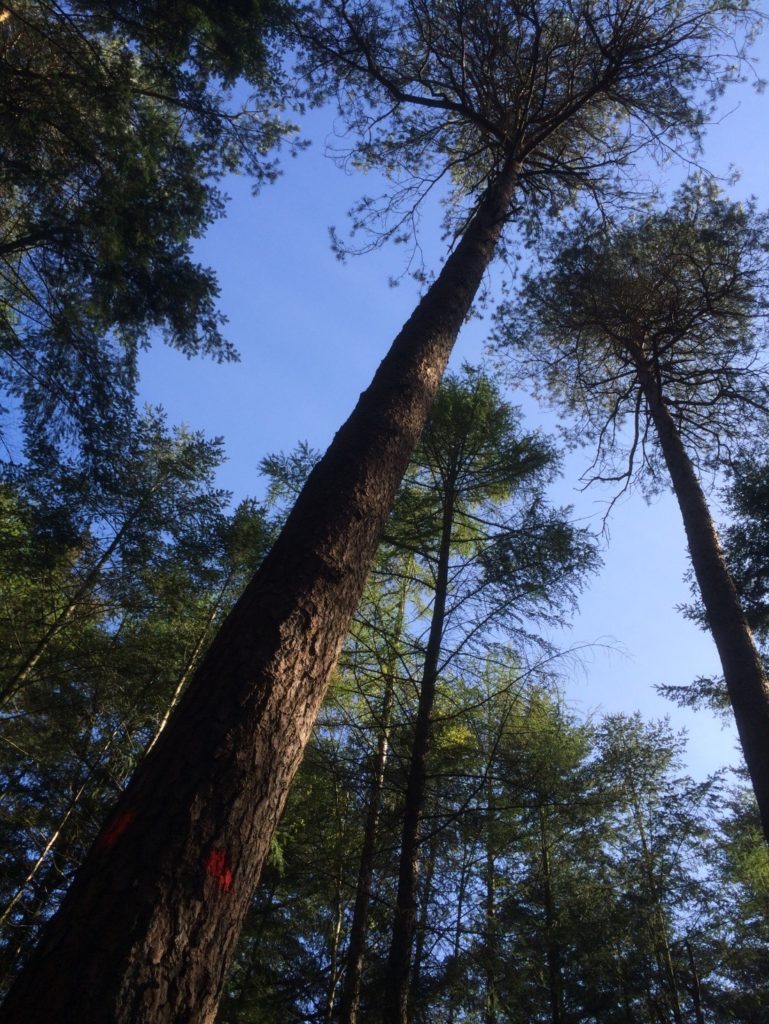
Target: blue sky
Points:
(311, 332)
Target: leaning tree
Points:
(652, 331)
(519, 105)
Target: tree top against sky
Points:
(685, 290)
(570, 92)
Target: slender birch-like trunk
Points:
(147, 930)
(420, 942)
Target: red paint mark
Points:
(220, 869)
(116, 828)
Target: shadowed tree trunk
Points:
(491, 938)
(695, 991)
(148, 928)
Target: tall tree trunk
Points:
(553, 948)
(662, 953)
(491, 937)
(148, 928)
(334, 952)
(746, 680)
(396, 1000)
(416, 1005)
(695, 990)
(629, 1015)
(349, 1001)
(189, 668)
(459, 922)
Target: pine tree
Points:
(580, 91)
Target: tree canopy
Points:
(686, 289)
(116, 122)
(569, 92)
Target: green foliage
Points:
(512, 556)
(115, 123)
(746, 538)
(436, 90)
(678, 296)
(673, 299)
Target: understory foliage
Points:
(572, 871)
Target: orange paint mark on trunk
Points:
(220, 869)
(116, 828)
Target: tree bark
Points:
(396, 1002)
(490, 933)
(146, 933)
(746, 680)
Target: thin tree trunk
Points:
(746, 680)
(660, 940)
(629, 1015)
(491, 939)
(415, 1005)
(147, 930)
(349, 1001)
(187, 672)
(336, 940)
(553, 949)
(464, 871)
(696, 992)
(86, 585)
(55, 836)
(396, 1000)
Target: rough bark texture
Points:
(405, 916)
(746, 680)
(148, 928)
